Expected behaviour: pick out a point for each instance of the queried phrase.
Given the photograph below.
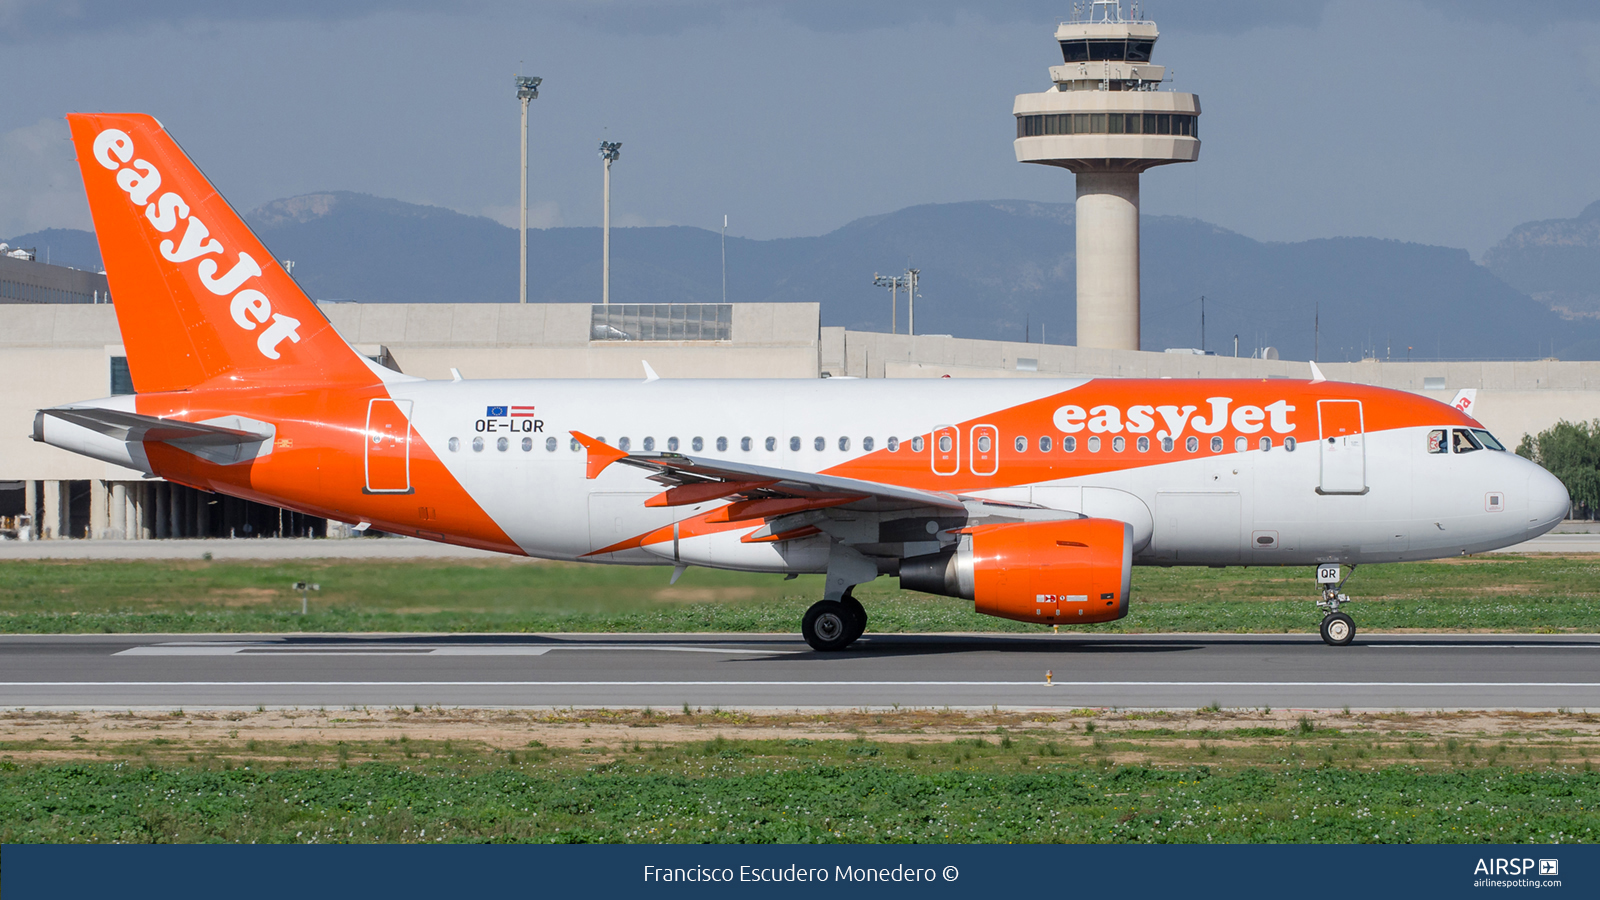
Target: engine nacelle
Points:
(1071, 571)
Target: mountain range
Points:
(989, 269)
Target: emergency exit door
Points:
(388, 447)
(1344, 454)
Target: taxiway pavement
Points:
(778, 671)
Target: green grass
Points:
(1499, 593)
(792, 792)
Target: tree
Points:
(1571, 452)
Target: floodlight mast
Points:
(609, 151)
(527, 90)
(894, 283)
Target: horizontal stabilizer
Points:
(128, 426)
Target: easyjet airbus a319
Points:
(1032, 498)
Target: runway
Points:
(779, 671)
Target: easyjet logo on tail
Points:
(1141, 419)
(249, 307)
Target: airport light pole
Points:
(527, 90)
(911, 300)
(894, 283)
(609, 151)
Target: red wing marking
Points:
(600, 455)
(700, 493)
(745, 510)
(791, 534)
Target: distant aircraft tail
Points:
(198, 296)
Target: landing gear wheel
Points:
(858, 616)
(1338, 629)
(827, 626)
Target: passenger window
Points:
(794, 443)
(575, 446)
(1436, 441)
(893, 444)
(1192, 444)
(1069, 445)
(944, 443)
(550, 444)
(1144, 445)
(477, 445)
(916, 444)
(1216, 445)
(772, 444)
(672, 443)
(1094, 445)
(1021, 444)
(1266, 444)
(1118, 443)
(649, 444)
(623, 444)
(722, 444)
(821, 443)
(844, 444)
(744, 444)
(1241, 444)
(455, 444)
(867, 444)
(1288, 444)
(983, 443)
(527, 444)
(502, 445)
(697, 444)
(1044, 444)
(1488, 440)
(1464, 442)
(1166, 445)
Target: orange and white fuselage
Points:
(245, 389)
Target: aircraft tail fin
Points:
(199, 298)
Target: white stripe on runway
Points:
(1415, 684)
(279, 650)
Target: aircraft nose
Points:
(1548, 502)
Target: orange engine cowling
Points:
(1071, 571)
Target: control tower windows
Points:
(1180, 124)
(1106, 51)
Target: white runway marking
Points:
(1416, 684)
(227, 649)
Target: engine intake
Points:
(1076, 570)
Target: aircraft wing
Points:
(758, 491)
(128, 426)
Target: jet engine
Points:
(1070, 571)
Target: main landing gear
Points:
(834, 624)
(1338, 629)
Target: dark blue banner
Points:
(403, 871)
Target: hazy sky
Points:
(1439, 121)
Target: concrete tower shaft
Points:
(1106, 121)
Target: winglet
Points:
(601, 454)
(649, 373)
(1316, 374)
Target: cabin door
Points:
(388, 446)
(1344, 454)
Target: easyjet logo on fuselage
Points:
(249, 307)
(1141, 419)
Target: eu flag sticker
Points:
(495, 412)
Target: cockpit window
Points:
(1437, 442)
(1463, 441)
(1488, 440)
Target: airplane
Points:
(1032, 498)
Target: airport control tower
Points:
(1106, 120)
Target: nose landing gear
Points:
(1338, 629)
